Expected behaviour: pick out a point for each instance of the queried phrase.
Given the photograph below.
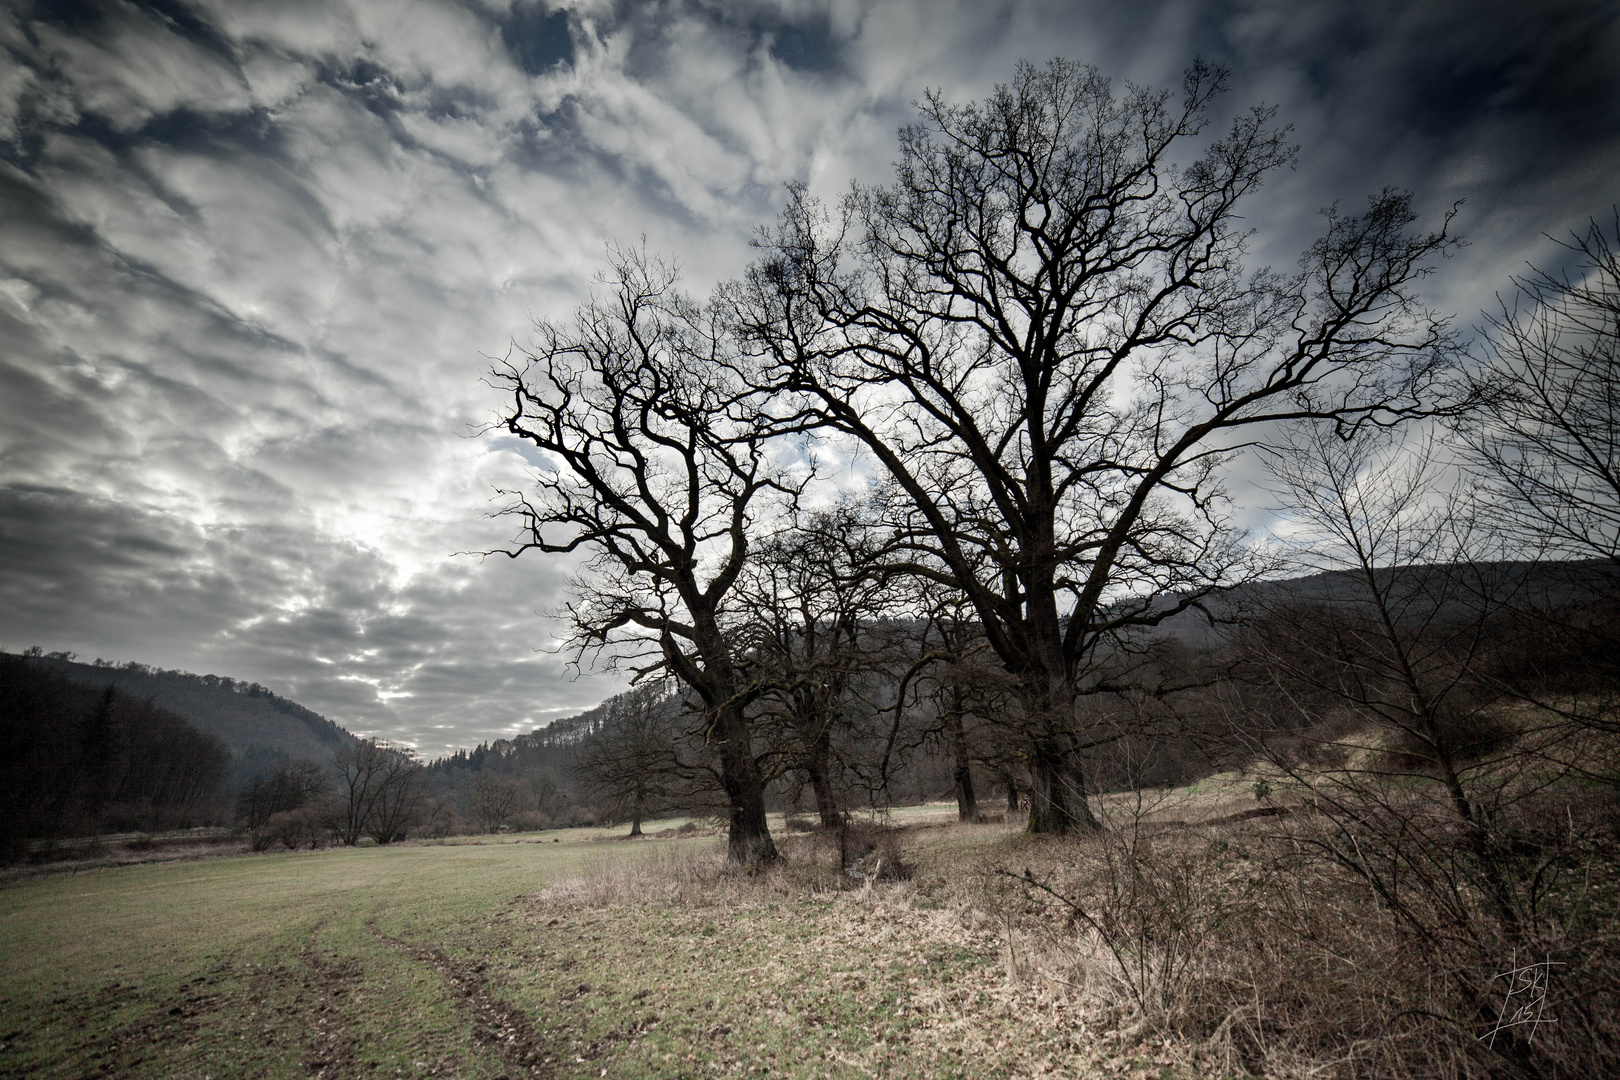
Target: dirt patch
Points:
(497, 1026)
(332, 1049)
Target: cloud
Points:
(253, 258)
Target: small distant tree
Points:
(956, 678)
(290, 786)
(813, 596)
(360, 767)
(304, 826)
(496, 799)
(630, 766)
(401, 792)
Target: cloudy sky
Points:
(253, 258)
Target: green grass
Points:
(256, 965)
(538, 955)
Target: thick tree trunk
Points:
(826, 806)
(635, 815)
(1057, 791)
(1057, 796)
(816, 764)
(749, 842)
(967, 801)
(1012, 791)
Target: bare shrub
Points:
(1260, 940)
(306, 826)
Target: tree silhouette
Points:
(1043, 332)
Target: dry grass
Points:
(804, 970)
(1185, 941)
(1186, 937)
(1238, 937)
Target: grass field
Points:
(267, 965)
(549, 954)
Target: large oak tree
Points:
(1044, 332)
(657, 471)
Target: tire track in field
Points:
(331, 1047)
(497, 1026)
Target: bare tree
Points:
(1044, 333)
(380, 789)
(1548, 448)
(1447, 807)
(290, 786)
(1545, 449)
(1397, 639)
(495, 799)
(401, 788)
(966, 690)
(658, 470)
(812, 598)
(630, 765)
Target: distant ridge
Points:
(557, 737)
(258, 726)
(1550, 583)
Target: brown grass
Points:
(1223, 944)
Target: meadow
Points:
(1199, 935)
(560, 954)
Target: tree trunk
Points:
(967, 801)
(816, 764)
(635, 813)
(1057, 797)
(1057, 791)
(749, 842)
(1012, 791)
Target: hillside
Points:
(1546, 586)
(258, 726)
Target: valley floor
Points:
(544, 955)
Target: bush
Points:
(1263, 940)
(306, 826)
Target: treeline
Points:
(527, 782)
(638, 755)
(260, 726)
(78, 760)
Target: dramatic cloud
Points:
(253, 257)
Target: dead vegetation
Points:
(1222, 937)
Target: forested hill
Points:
(1580, 584)
(258, 726)
(553, 745)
